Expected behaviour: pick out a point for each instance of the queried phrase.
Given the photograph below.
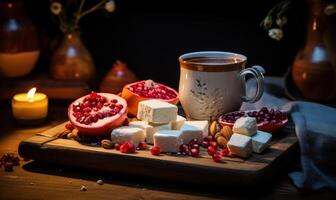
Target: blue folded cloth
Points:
(315, 127)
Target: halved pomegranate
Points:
(268, 120)
(97, 113)
(144, 90)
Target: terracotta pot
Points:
(72, 61)
(19, 45)
(314, 68)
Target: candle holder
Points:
(30, 108)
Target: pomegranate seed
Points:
(205, 144)
(114, 101)
(225, 152)
(131, 148)
(184, 149)
(87, 110)
(142, 145)
(217, 157)
(117, 146)
(69, 126)
(195, 146)
(106, 104)
(155, 150)
(213, 144)
(87, 104)
(8, 166)
(100, 115)
(88, 120)
(119, 106)
(93, 95)
(126, 122)
(211, 150)
(194, 152)
(124, 147)
(94, 118)
(102, 99)
(208, 138)
(193, 141)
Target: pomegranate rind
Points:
(133, 99)
(107, 124)
(270, 128)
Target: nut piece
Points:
(214, 128)
(64, 133)
(75, 134)
(218, 134)
(106, 144)
(221, 141)
(227, 132)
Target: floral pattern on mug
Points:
(209, 101)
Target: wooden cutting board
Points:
(257, 169)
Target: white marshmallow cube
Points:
(168, 140)
(176, 125)
(155, 111)
(128, 134)
(260, 141)
(149, 130)
(245, 126)
(194, 129)
(240, 145)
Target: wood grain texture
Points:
(235, 171)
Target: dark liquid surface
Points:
(214, 60)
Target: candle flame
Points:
(31, 93)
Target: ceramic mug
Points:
(213, 82)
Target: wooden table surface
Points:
(32, 180)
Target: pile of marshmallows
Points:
(160, 125)
(246, 138)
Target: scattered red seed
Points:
(211, 150)
(193, 141)
(155, 150)
(142, 145)
(195, 146)
(124, 148)
(217, 157)
(8, 166)
(69, 126)
(117, 146)
(194, 152)
(131, 148)
(225, 152)
(208, 138)
(205, 144)
(213, 144)
(126, 122)
(184, 149)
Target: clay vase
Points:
(314, 68)
(116, 78)
(19, 43)
(72, 61)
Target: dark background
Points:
(150, 35)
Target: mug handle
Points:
(258, 73)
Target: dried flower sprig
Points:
(278, 15)
(72, 24)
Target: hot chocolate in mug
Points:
(213, 82)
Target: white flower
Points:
(56, 8)
(275, 33)
(110, 6)
(330, 9)
(280, 21)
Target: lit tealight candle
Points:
(30, 106)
